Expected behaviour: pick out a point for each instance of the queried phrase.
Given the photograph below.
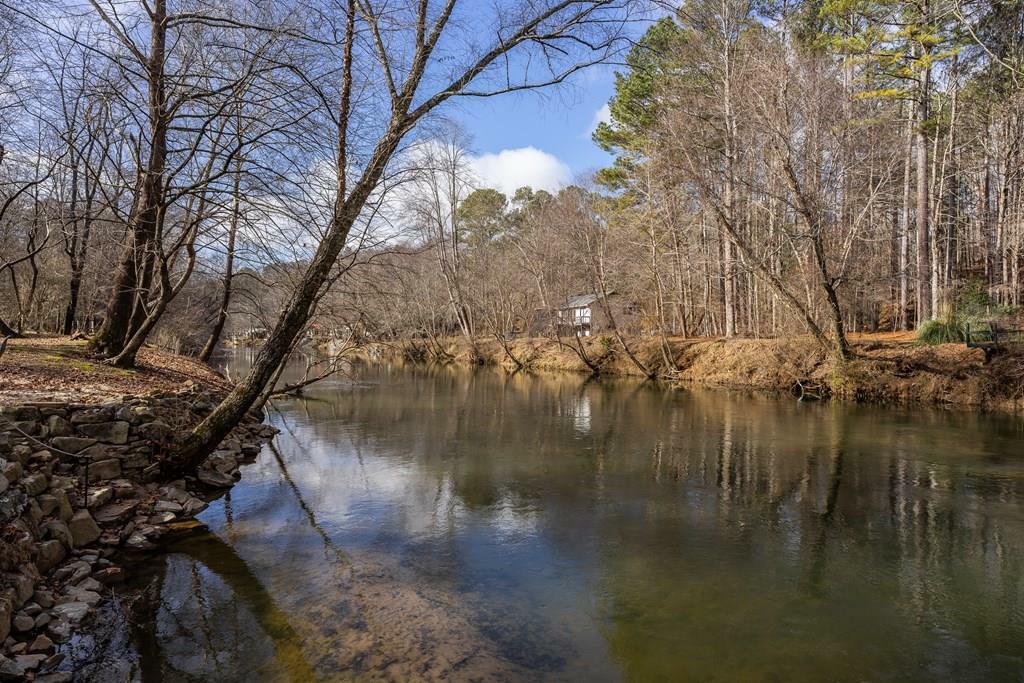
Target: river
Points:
(445, 524)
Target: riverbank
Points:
(81, 486)
(886, 368)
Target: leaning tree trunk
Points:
(207, 434)
(205, 437)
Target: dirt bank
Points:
(63, 369)
(890, 368)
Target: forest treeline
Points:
(814, 168)
(172, 172)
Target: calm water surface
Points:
(443, 524)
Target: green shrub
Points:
(948, 331)
(972, 306)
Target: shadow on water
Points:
(434, 524)
(206, 616)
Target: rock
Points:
(137, 541)
(6, 609)
(40, 644)
(229, 446)
(11, 504)
(110, 575)
(215, 479)
(43, 598)
(23, 622)
(108, 432)
(100, 496)
(42, 620)
(10, 670)
(90, 584)
(43, 456)
(21, 453)
(84, 529)
(58, 426)
(22, 584)
(102, 451)
(34, 484)
(222, 461)
(47, 503)
(167, 506)
(161, 518)
(116, 512)
(29, 662)
(63, 506)
(193, 506)
(31, 428)
(21, 413)
(49, 555)
(60, 630)
(12, 471)
(61, 483)
(154, 431)
(105, 469)
(4, 484)
(72, 573)
(71, 444)
(176, 494)
(35, 513)
(71, 612)
(92, 416)
(251, 449)
(141, 414)
(79, 596)
(59, 531)
(82, 569)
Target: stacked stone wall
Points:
(80, 487)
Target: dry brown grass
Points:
(59, 368)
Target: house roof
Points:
(580, 300)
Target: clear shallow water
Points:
(445, 524)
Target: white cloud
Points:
(602, 115)
(510, 169)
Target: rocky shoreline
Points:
(81, 491)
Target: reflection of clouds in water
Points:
(352, 486)
(511, 521)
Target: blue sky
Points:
(556, 124)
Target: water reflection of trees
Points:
(705, 510)
(205, 616)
